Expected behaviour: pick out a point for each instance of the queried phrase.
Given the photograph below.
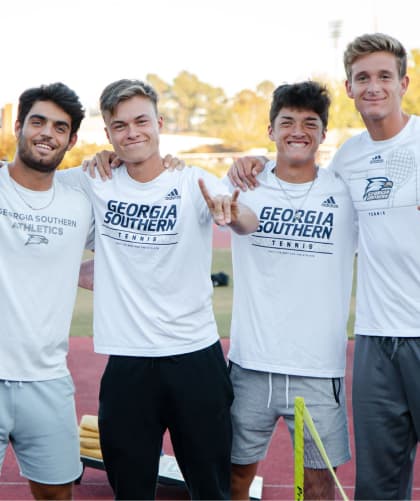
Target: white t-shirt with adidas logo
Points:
(384, 181)
(292, 280)
(153, 248)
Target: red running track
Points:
(277, 469)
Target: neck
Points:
(297, 174)
(145, 171)
(386, 128)
(30, 178)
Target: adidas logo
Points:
(376, 159)
(172, 195)
(329, 202)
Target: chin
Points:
(133, 161)
(374, 117)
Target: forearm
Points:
(86, 274)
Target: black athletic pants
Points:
(190, 395)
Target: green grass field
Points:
(222, 300)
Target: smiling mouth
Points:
(295, 144)
(43, 147)
(134, 144)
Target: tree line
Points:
(192, 106)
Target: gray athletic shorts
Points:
(39, 420)
(262, 398)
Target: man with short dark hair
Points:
(286, 340)
(44, 227)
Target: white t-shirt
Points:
(384, 181)
(40, 253)
(292, 281)
(153, 290)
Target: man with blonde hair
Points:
(381, 167)
(153, 306)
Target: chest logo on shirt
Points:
(330, 202)
(142, 225)
(280, 230)
(376, 159)
(378, 188)
(173, 195)
(36, 239)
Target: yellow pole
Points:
(299, 447)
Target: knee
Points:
(51, 492)
(241, 480)
(318, 484)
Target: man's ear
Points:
(18, 128)
(270, 132)
(72, 142)
(107, 135)
(160, 122)
(349, 89)
(404, 84)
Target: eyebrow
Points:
(138, 117)
(45, 119)
(305, 119)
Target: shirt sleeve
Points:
(90, 239)
(75, 177)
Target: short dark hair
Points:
(124, 89)
(308, 95)
(59, 94)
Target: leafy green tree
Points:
(265, 89)
(411, 101)
(187, 94)
(343, 114)
(80, 152)
(167, 106)
(248, 121)
(7, 147)
(161, 87)
(215, 107)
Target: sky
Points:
(233, 44)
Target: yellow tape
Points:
(299, 444)
(311, 427)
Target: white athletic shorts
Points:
(38, 419)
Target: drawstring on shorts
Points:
(270, 389)
(8, 384)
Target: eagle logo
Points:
(36, 239)
(378, 188)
